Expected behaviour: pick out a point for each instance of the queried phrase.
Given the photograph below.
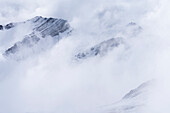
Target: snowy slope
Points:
(42, 28)
(129, 31)
(46, 32)
(100, 49)
(133, 102)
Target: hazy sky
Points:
(69, 9)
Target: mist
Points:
(54, 82)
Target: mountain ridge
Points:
(42, 28)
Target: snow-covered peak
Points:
(42, 28)
(131, 30)
(101, 48)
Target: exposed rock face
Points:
(9, 26)
(100, 49)
(42, 28)
(50, 26)
(131, 30)
(1, 27)
(28, 41)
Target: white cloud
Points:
(51, 82)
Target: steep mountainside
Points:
(41, 28)
(134, 101)
(100, 49)
(46, 32)
(130, 30)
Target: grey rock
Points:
(43, 27)
(101, 48)
(1, 27)
(9, 26)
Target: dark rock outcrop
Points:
(1, 27)
(100, 49)
(130, 30)
(9, 26)
(43, 27)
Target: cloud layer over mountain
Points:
(54, 81)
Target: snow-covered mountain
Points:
(130, 30)
(84, 56)
(133, 102)
(100, 49)
(51, 30)
(46, 32)
(42, 28)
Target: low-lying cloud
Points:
(54, 82)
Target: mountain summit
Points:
(42, 28)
